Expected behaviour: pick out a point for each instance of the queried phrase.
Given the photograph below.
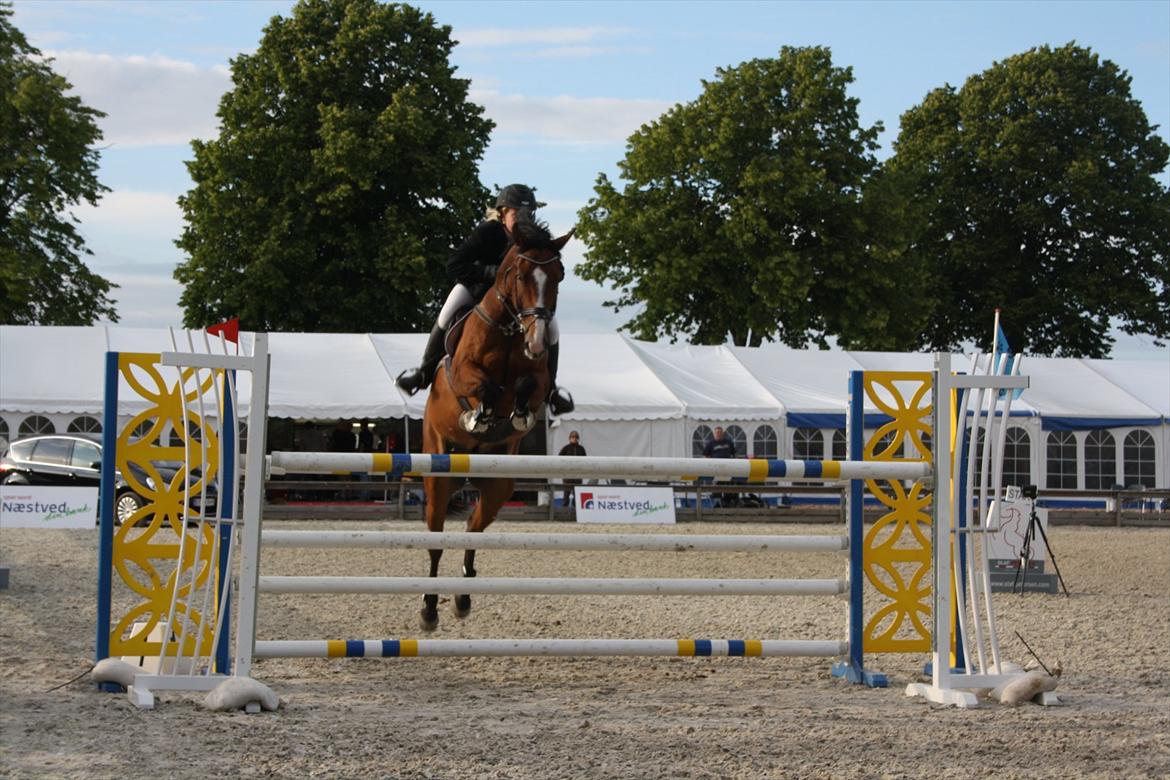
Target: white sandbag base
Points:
(246, 693)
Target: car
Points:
(75, 459)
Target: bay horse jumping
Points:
(487, 393)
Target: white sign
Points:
(1008, 542)
(35, 506)
(620, 504)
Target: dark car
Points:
(75, 459)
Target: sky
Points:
(565, 82)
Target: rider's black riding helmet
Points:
(518, 196)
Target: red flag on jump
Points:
(230, 330)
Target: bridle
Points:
(515, 324)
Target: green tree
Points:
(1033, 188)
(48, 164)
(345, 169)
(741, 215)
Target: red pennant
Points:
(230, 330)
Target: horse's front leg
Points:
(479, 419)
(523, 417)
(438, 492)
(492, 495)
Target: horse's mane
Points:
(530, 233)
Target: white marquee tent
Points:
(632, 397)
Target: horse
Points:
(487, 392)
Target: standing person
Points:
(721, 447)
(341, 439)
(365, 443)
(472, 270)
(365, 437)
(573, 448)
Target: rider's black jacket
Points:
(474, 263)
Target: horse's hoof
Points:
(428, 619)
(461, 606)
(472, 422)
(523, 424)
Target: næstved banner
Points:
(37, 506)
(621, 504)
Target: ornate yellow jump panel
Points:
(897, 548)
(154, 445)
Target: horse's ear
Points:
(559, 243)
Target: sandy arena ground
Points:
(604, 718)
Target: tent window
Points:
(737, 435)
(883, 451)
(1062, 460)
(1139, 459)
(195, 431)
(927, 452)
(142, 430)
(31, 426)
(765, 443)
(1100, 460)
(840, 446)
(85, 424)
(3, 434)
(808, 444)
(1017, 457)
(699, 440)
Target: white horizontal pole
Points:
(409, 648)
(549, 586)
(426, 540)
(204, 360)
(992, 382)
(592, 467)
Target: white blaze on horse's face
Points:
(535, 340)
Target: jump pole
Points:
(591, 467)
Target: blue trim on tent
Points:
(1014, 413)
(832, 420)
(1092, 423)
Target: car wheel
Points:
(14, 479)
(127, 504)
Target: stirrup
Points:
(410, 381)
(560, 401)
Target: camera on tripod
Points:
(1034, 527)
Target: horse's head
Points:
(527, 283)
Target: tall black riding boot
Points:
(560, 401)
(415, 379)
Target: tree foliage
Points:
(741, 215)
(345, 170)
(1033, 188)
(48, 164)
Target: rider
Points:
(473, 268)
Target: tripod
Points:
(1026, 553)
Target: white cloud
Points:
(566, 118)
(571, 52)
(130, 211)
(546, 36)
(148, 100)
